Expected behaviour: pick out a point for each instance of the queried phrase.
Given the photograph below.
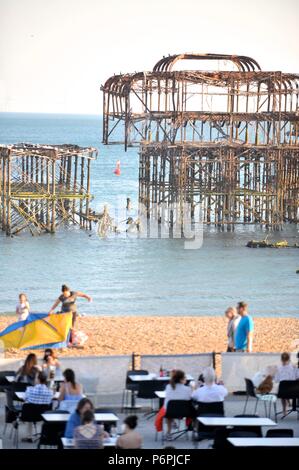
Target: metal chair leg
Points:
(265, 405)
(256, 403)
(245, 405)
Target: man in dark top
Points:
(68, 302)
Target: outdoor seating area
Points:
(243, 418)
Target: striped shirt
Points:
(40, 394)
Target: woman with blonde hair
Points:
(233, 321)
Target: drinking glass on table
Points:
(113, 431)
(52, 370)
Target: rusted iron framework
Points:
(227, 139)
(43, 186)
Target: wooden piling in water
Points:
(40, 188)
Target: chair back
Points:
(3, 381)
(288, 389)
(250, 388)
(280, 433)
(215, 408)
(130, 373)
(31, 413)
(18, 387)
(147, 388)
(178, 409)
(257, 430)
(243, 434)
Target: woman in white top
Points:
(176, 390)
(285, 372)
(22, 308)
(210, 392)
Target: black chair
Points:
(251, 393)
(242, 434)
(18, 387)
(107, 426)
(222, 434)
(52, 432)
(146, 391)
(213, 409)
(180, 409)
(4, 383)
(257, 430)
(131, 387)
(12, 411)
(289, 390)
(280, 433)
(31, 413)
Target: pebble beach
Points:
(169, 335)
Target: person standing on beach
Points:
(22, 308)
(68, 302)
(233, 321)
(244, 331)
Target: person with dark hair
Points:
(75, 418)
(40, 394)
(130, 439)
(89, 435)
(50, 359)
(68, 303)
(70, 391)
(244, 331)
(175, 390)
(28, 372)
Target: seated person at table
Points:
(130, 439)
(175, 390)
(210, 392)
(70, 391)
(40, 394)
(89, 435)
(285, 372)
(50, 359)
(76, 417)
(28, 372)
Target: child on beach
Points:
(22, 308)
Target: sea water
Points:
(129, 275)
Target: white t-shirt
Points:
(210, 393)
(181, 392)
(287, 372)
(22, 310)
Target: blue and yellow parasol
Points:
(38, 331)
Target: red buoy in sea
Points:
(117, 168)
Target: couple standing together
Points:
(239, 329)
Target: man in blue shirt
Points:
(244, 332)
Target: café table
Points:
(63, 417)
(69, 443)
(231, 422)
(264, 441)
